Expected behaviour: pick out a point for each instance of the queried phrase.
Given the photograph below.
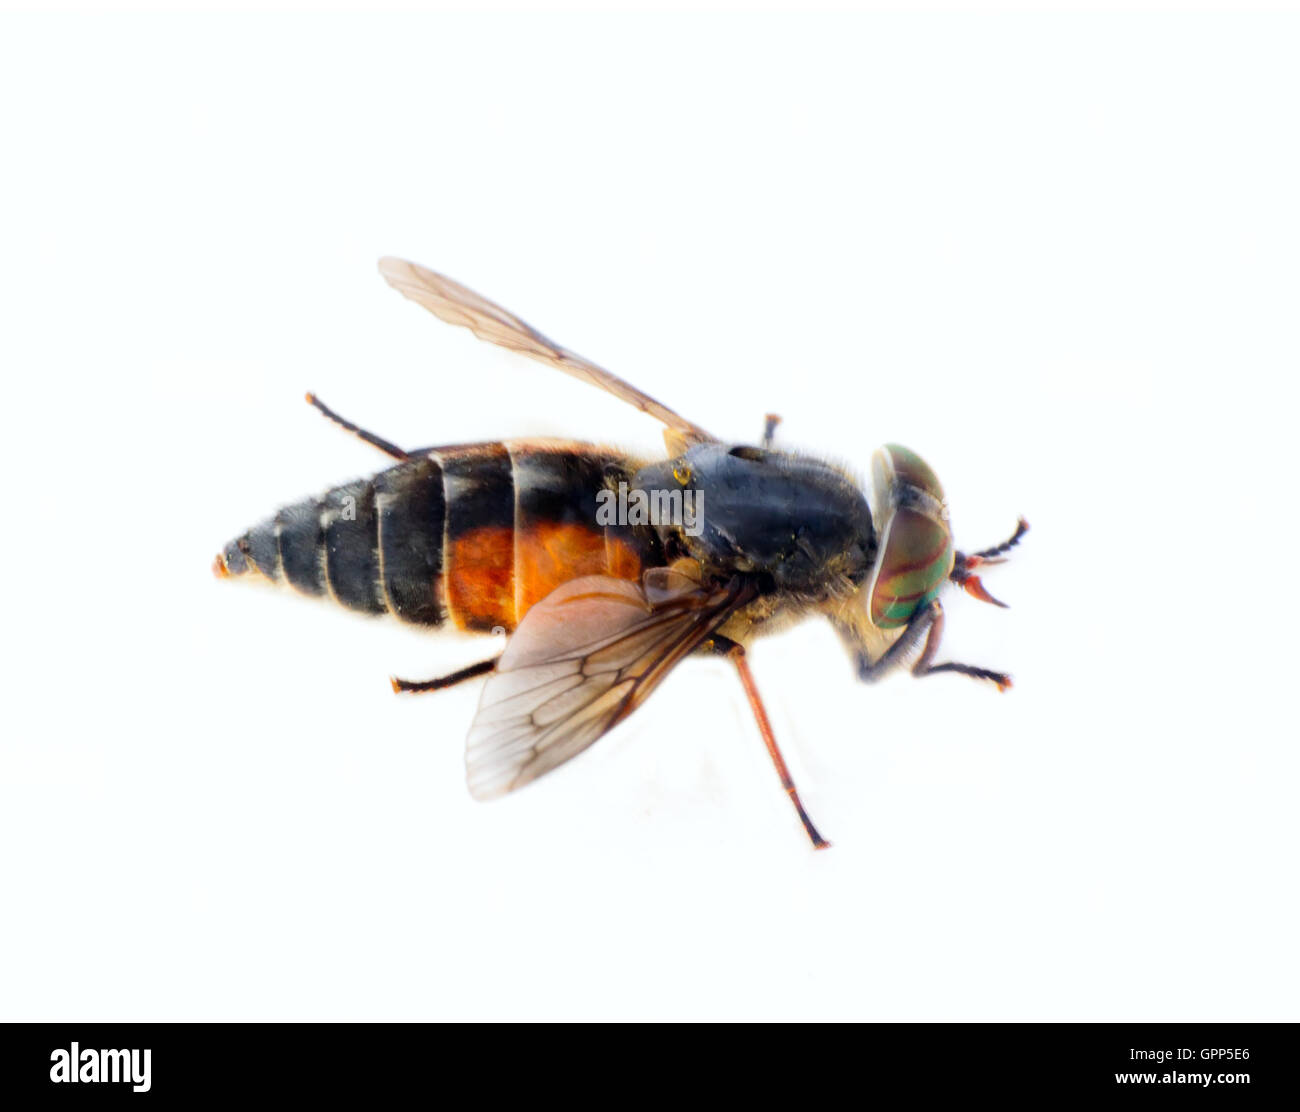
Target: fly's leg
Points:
(976, 673)
(769, 428)
(737, 655)
(923, 667)
(416, 687)
(920, 627)
(927, 624)
(369, 437)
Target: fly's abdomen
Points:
(411, 508)
(476, 534)
(557, 534)
(331, 546)
(480, 537)
(351, 556)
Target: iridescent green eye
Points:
(915, 554)
(910, 469)
(915, 558)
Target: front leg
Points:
(869, 671)
(927, 624)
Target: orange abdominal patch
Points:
(482, 576)
(554, 553)
(621, 559)
(481, 580)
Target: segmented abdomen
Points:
(476, 534)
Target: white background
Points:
(1056, 254)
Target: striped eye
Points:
(915, 558)
(915, 554)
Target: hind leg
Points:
(416, 687)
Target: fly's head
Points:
(916, 556)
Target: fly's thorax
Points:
(798, 521)
(915, 554)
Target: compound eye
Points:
(915, 558)
(916, 555)
(905, 467)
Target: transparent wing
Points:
(454, 303)
(583, 659)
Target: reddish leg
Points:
(737, 655)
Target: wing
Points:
(455, 304)
(583, 659)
